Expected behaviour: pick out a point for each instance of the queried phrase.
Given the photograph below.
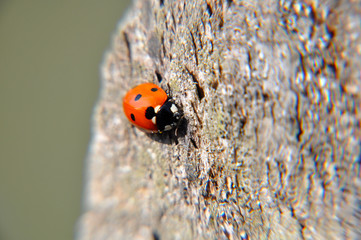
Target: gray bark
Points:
(269, 146)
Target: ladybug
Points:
(149, 108)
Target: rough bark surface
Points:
(269, 147)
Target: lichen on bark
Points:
(269, 146)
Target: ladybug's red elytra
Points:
(149, 108)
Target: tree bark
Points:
(269, 145)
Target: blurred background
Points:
(50, 56)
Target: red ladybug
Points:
(148, 107)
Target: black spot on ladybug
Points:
(154, 89)
(132, 117)
(137, 97)
(149, 113)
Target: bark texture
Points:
(269, 146)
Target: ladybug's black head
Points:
(167, 116)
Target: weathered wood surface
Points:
(270, 143)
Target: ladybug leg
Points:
(176, 130)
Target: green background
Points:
(50, 55)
